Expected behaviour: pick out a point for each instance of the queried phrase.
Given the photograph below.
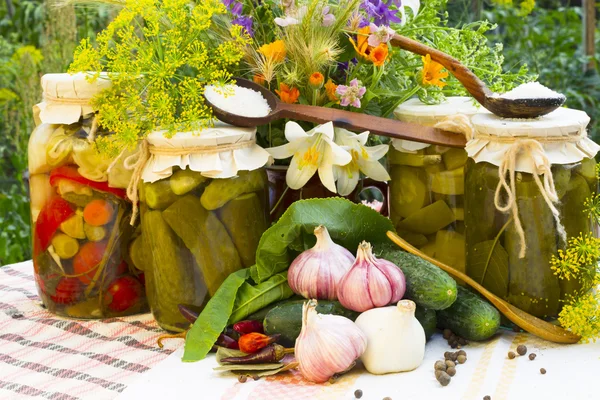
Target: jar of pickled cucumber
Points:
(525, 187)
(203, 208)
(426, 190)
(79, 211)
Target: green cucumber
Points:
(470, 317)
(428, 320)
(286, 319)
(426, 284)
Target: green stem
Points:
(402, 100)
(280, 200)
(489, 257)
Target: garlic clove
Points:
(371, 282)
(316, 272)
(327, 345)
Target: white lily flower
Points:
(312, 151)
(414, 5)
(364, 159)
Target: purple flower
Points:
(246, 23)
(227, 3)
(380, 11)
(351, 95)
(328, 18)
(237, 9)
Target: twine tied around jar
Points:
(48, 98)
(137, 162)
(457, 123)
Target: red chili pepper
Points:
(253, 342)
(69, 172)
(248, 326)
(55, 212)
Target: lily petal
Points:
(293, 132)
(326, 170)
(339, 155)
(297, 177)
(284, 151)
(377, 152)
(347, 179)
(374, 170)
(363, 137)
(326, 130)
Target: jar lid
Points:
(415, 111)
(561, 133)
(217, 152)
(66, 97)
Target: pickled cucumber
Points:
(158, 195)
(532, 285)
(168, 275)
(408, 189)
(429, 219)
(65, 246)
(562, 177)
(449, 182)
(137, 253)
(459, 213)
(186, 180)
(207, 239)
(587, 169)
(94, 233)
(245, 219)
(220, 191)
(450, 249)
(455, 158)
(415, 239)
(429, 249)
(74, 227)
(414, 160)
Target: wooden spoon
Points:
(527, 322)
(507, 108)
(344, 119)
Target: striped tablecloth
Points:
(49, 357)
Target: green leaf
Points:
(348, 224)
(489, 266)
(213, 319)
(253, 298)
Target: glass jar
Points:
(80, 216)
(495, 254)
(203, 212)
(426, 190)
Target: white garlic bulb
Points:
(316, 273)
(395, 338)
(371, 282)
(327, 345)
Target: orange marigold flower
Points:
(288, 94)
(330, 89)
(361, 45)
(259, 78)
(316, 80)
(432, 72)
(379, 54)
(274, 51)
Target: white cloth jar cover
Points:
(561, 133)
(66, 97)
(415, 111)
(217, 152)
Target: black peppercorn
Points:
(358, 393)
(487, 398)
(522, 349)
(543, 371)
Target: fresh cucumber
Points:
(426, 284)
(470, 317)
(286, 319)
(428, 320)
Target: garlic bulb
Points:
(327, 345)
(371, 282)
(316, 273)
(395, 338)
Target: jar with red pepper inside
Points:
(79, 209)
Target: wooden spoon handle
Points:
(528, 322)
(363, 122)
(470, 81)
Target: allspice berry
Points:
(543, 371)
(358, 393)
(451, 371)
(242, 378)
(447, 333)
(487, 398)
(532, 356)
(511, 354)
(462, 353)
(462, 359)
(443, 378)
(522, 349)
(447, 355)
(450, 364)
(439, 366)
(454, 356)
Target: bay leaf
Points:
(489, 266)
(224, 352)
(250, 367)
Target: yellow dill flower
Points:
(586, 248)
(274, 51)
(565, 265)
(582, 316)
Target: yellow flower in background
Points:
(274, 51)
(362, 42)
(259, 78)
(311, 151)
(315, 80)
(330, 90)
(432, 72)
(288, 94)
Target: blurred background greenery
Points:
(36, 37)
